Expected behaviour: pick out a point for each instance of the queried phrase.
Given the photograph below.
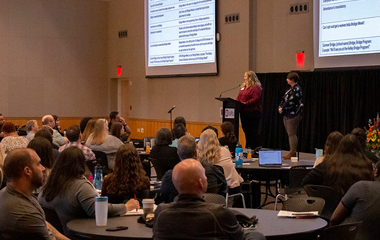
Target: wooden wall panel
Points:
(149, 126)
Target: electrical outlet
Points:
(298, 8)
(138, 130)
(232, 18)
(142, 130)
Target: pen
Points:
(135, 199)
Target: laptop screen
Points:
(270, 157)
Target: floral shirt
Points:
(9, 143)
(291, 101)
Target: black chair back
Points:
(214, 198)
(53, 218)
(159, 166)
(102, 160)
(342, 231)
(304, 204)
(329, 194)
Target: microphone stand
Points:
(228, 90)
(170, 112)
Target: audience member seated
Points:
(166, 156)
(48, 120)
(190, 217)
(57, 125)
(83, 123)
(21, 216)
(128, 177)
(1, 126)
(100, 140)
(187, 148)
(11, 139)
(178, 131)
(228, 137)
(210, 151)
(42, 146)
(71, 194)
(2, 177)
(88, 130)
(180, 119)
(46, 132)
(114, 117)
(347, 166)
(361, 203)
(75, 138)
(32, 128)
(331, 144)
(117, 130)
(362, 136)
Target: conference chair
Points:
(304, 204)
(293, 184)
(329, 194)
(159, 166)
(342, 231)
(230, 198)
(53, 218)
(214, 198)
(102, 159)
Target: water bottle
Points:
(98, 178)
(238, 155)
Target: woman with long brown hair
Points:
(344, 168)
(128, 177)
(71, 194)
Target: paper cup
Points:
(148, 205)
(294, 161)
(318, 153)
(101, 211)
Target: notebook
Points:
(270, 158)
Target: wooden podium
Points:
(231, 109)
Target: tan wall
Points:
(53, 58)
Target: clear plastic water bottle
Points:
(98, 178)
(238, 155)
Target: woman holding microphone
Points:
(250, 113)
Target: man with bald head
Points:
(21, 216)
(187, 148)
(48, 120)
(190, 216)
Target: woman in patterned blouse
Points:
(290, 107)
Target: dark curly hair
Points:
(128, 176)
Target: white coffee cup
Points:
(294, 161)
(101, 211)
(148, 205)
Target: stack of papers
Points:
(297, 214)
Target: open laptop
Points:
(270, 158)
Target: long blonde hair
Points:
(208, 147)
(252, 80)
(88, 129)
(100, 132)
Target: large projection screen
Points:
(346, 33)
(180, 38)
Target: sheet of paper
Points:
(291, 214)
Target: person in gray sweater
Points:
(71, 194)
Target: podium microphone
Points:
(229, 90)
(171, 109)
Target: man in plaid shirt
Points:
(75, 138)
